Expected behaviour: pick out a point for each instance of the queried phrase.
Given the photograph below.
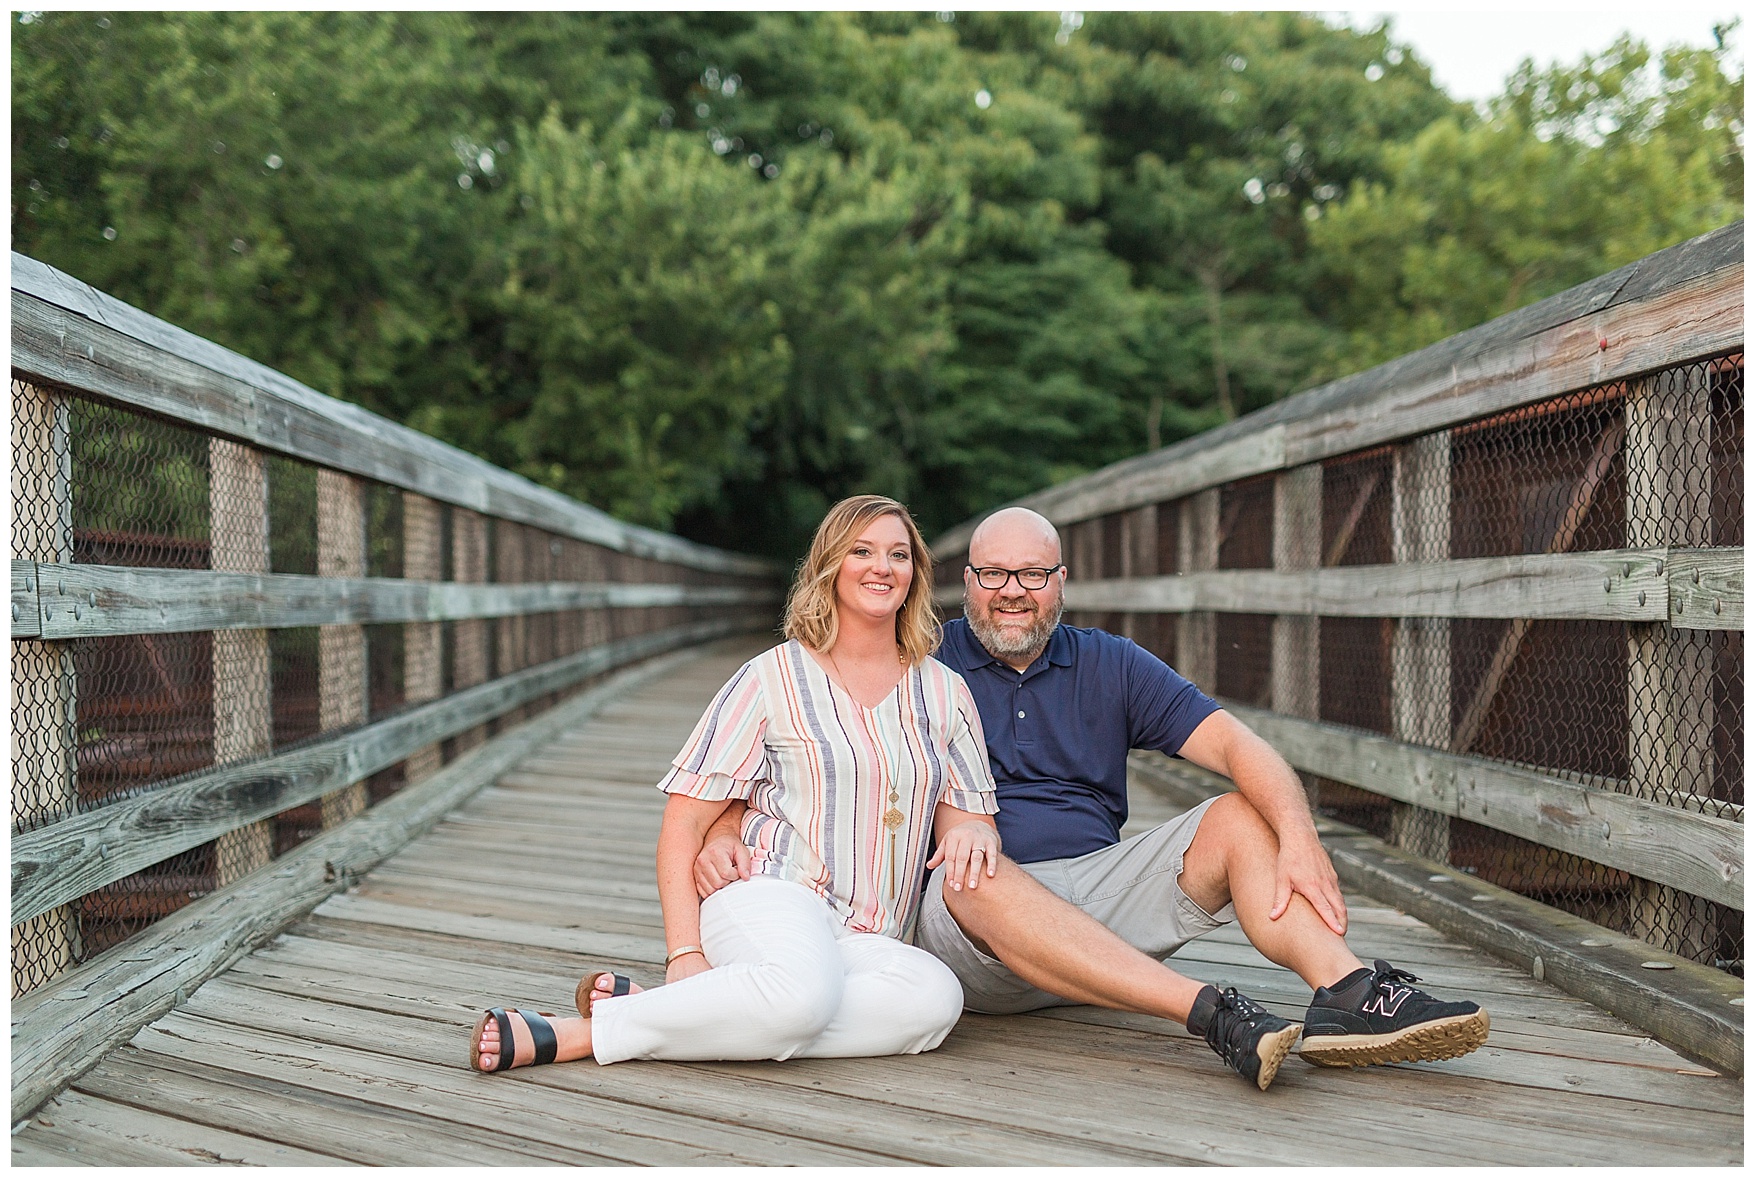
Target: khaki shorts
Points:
(1132, 887)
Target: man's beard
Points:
(1012, 641)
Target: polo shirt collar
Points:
(1058, 654)
(1060, 649)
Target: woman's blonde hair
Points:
(811, 615)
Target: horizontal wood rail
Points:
(63, 1028)
(1628, 585)
(77, 855)
(1610, 413)
(1706, 588)
(1695, 852)
(67, 334)
(1677, 305)
(63, 601)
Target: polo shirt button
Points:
(1020, 715)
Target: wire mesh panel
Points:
(1650, 708)
(1357, 490)
(101, 720)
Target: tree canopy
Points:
(713, 271)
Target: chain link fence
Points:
(100, 720)
(1646, 708)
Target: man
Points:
(1072, 914)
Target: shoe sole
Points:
(1443, 1039)
(1272, 1051)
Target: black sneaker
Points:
(1376, 1016)
(1247, 1037)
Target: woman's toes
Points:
(604, 987)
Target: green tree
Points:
(639, 333)
(715, 270)
(1575, 171)
(1221, 134)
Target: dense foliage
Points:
(713, 271)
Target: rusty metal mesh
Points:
(1635, 707)
(1630, 706)
(97, 720)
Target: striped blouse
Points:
(819, 771)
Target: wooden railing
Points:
(248, 619)
(1487, 597)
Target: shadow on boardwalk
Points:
(345, 1040)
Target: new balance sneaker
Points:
(1377, 1016)
(1246, 1037)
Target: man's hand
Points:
(724, 860)
(1304, 868)
(1223, 744)
(970, 848)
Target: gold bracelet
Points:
(681, 951)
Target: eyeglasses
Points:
(996, 578)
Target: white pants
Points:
(787, 980)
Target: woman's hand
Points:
(686, 966)
(969, 847)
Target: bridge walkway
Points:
(345, 1039)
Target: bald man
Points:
(1072, 913)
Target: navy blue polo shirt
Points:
(1059, 733)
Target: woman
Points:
(847, 741)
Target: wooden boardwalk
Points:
(345, 1040)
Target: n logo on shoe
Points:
(1388, 1000)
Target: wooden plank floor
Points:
(345, 1040)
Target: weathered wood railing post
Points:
(422, 642)
(1669, 671)
(342, 699)
(1449, 564)
(1420, 647)
(243, 696)
(43, 678)
(115, 825)
(1297, 637)
(1139, 558)
(469, 564)
(1197, 631)
(509, 648)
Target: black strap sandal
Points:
(541, 1034)
(582, 995)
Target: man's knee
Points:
(1233, 821)
(991, 893)
(981, 911)
(1232, 831)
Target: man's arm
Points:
(723, 858)
(1225, 745)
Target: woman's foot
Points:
(602, 983)
(535, 1039)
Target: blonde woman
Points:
(850, 744)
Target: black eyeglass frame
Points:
(1047, 575)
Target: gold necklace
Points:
(893, 817)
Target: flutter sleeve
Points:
(970, 785)
(725, 757)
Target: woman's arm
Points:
(686, 821)
(968, 842)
